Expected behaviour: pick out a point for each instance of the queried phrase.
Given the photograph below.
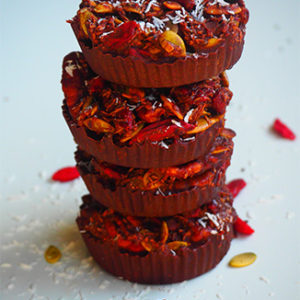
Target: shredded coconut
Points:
(176, 123)
(159, 23)
(163, 145)
(70, 67)
(213, 218)
(198, 11)
(150, 5)
(188, 114)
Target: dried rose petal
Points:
(66, 174)
(235, 186)
(241, 226)
(283, 130)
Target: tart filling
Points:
(140, 236)
(160, 31)
(134, 115)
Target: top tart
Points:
(150, 43)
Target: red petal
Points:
(235, 186)
(66, 174)
(283, 130)
(241, 226)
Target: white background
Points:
(35, 141)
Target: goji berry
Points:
(235, 186)
(122, 36)
(162, 130)
(283, 130)
(66, 174)
(241, 226)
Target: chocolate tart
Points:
(134, 72)
(196, 41)
(154, 250)
(141, 127)
(147, 154)
(136, 192)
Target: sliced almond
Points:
(84, 15)
(172, 5)
(177, 244)
(104, 8)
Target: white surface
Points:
(35, 142)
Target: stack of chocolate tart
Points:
(145, 102)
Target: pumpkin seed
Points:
(52, 255)
(242, 260)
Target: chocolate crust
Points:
(134, 72)
(146, 155)
(149, 204)
(160, 268)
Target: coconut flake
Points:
(188, 114)
(213, 218)
(25, 267)
(70, 67)
(163, 145)
(159, 23)
(198, 11)
(176, 123)
(220, 2)
(150, 5)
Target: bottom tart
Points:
(158, 250)
(158, 192)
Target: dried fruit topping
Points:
(188, 4)
(66, 174)
(188, 170)
(164, 232)
(96, 85)
(213, 42)
(121, 38)
(162, 130)
(235, 186)
(224, 79)
(242, 260)
(172, 5)
(283, 130)
(131, 134)
(152, 179)
(172, 43)
(158, 30)
(177, 244)
(171, 107)
(104, 8)
(140, 235)
(221, 10)
(221, 100)
(200, 234)
(52, 255)
(130, 8)
(242, 227)
(86, 16)
(227, 133)
(134, 115)
(97, 125)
